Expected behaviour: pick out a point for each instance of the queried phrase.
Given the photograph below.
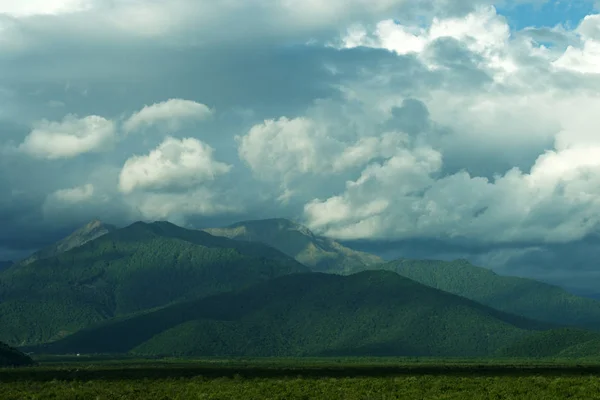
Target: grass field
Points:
(103, 378)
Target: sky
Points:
(430, 129)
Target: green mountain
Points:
(126, 271)
(81, 236)
(319, 253)
(10, 357)
(520, 296)
(315, 314)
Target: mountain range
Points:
(125, 271)
(273, 288)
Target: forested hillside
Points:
(128, 270)
(526, 297)
(369, 313)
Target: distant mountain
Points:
(94, 229)
(5, 264)
(125, 271)
(520, 296)
(376, 313)
(10, 357)
(319, 253)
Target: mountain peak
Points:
(93, 229)
(93, 224)
(296, 240)
(278, 224)
(90, 231)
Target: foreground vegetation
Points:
(301, 379)
(411, 387)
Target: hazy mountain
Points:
(10, 357)
(125, 271)
(521, 296)
(319, 253)
(94, 229)
(369, 313)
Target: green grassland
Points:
(350, 378)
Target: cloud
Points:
(584, 58)
(407, 196)
(431, 188)
(74, 195)
(171, 112)
(174, 164)
(389, 120)
(69, 138)
(178, 207)
(482, 32)
(41, 7)
(282, 148)
(194, 22)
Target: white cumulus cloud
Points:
(175, 163)
(69, 138)
(283, 147)
(171, 112)
(74, 195)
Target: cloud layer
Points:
(383, 120)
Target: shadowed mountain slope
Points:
(10, 357)
(369, 313)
